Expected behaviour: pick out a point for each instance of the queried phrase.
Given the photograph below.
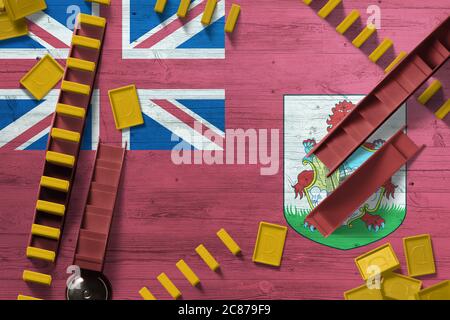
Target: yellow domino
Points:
(188, 273)
(207, 257)
(92, 20)
(126, 107)
(2, 5)
(419, 255)
(12, 29)
(439, 291)
(67, 135)
(74, 87)
(429, 92)
(50, 207)
(307, 2)
(160, 5)
(169, 286)
(45, 231)
(442, 111)
(380, 50)
(86, 42)
(61, 159)
(146, 294)
(363, 293)
(269, 244)
(399, 287)
(80, 64)
(18, 9)
(348, 21)
(381, 259)
(396, 61)
(232, 18)
(70, 111)
(42, 254)
(328, 8)
(104, 2)
(37, 277)
(183, 8)
(55, 183)
(22, 297)
(364, 35)
(209, 11)
(228, 241)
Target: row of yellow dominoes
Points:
(429, 92)
(363, 36)
(208, 13)
(188, 273)
(34, 277)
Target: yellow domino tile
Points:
(380, 50)
(348, 21)
(70, 111)
(307, 2)
(92, 20)
(419, 255)
(37, 277)
(42, 77)
(207, 257)
(42, 254)
(160, 5)
(86, 42)
(209, 11)
(364, 35)
(169, 286)
(12, 29)
(429, 92)
(188, 273)
(104, 2)
(443, 110)
(74, 87)
(439, 291)
(232, 18)
(19, 9)
(45, 231)
(269, 244)
(22, 297)
(67, 135)
(228, 241)
(146, 294)
(363, 293)
(396, 61)
(2, 5)
(328, 8)
(399, 287)
(80, 64)
(125, 107)
(61, 159)
(382, 259)
(55, 183)
(183, 8)
(50, 207)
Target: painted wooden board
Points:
(276, 49)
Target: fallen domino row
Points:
(208, 13)
(268, 250)
(381, 262)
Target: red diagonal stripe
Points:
(44, 35)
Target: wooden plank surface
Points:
(164, 211)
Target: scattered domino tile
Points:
(439, 291)
(183, 8)
(419, 255)
(188, 273)
(228, 241)
(42, 77)
(396, 61)
(232, 18)
(209, 11)
(169, 286)
(125, 107)
(363, 293)
(22, 297)
(146, 294)
(364, 35)
(429, 92)
(12, 29)
(20, 9)
(269, 244)
(348, 21)
(399, 287)
(37, 277)
(207, 257)
(160, 5)
(382, 257)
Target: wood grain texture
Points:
(164, 211)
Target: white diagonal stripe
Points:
(34, 139)
(52, 26)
